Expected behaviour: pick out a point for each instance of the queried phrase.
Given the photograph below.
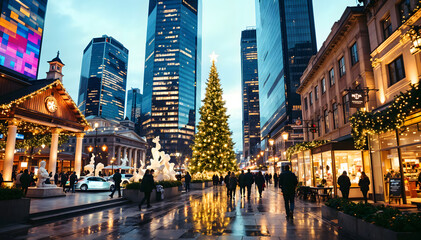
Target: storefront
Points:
(325, 163)
(397, 155)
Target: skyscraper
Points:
(286, 41)
(134, 104)
(171, 90)
(21, 28)
(102, 89)
(250, 87)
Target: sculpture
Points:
(124, 161)
(90, 167)
(138, 173)
(164, 170)
(99, 168)
(42, 175)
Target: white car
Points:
(125, 178)
(93, 183)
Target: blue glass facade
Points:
(102, 89)
(250, 87)
(171, 91)
(286, 41)
(134, 104)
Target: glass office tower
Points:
(21, 29)
(286, 41)
(171, 90)
(102, 89)
(250, 87)
(134, 104)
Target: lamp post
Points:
(95, 142)
(112, 164)
(178, 155)
(271, 142)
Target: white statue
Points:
(124, 161)
(164, 170)
(98, 169)
(91, 166)
(42, 175)
(138, 173)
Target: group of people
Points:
(345, 185)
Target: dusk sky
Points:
(71, 24)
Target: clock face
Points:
(51, 104)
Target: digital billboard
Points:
(21, 28)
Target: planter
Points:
(14, 211)
(329, 213)
(196, 186)
(348, 223)
(136, 196)
(171, 192)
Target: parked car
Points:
(93, 183)
(125, 178)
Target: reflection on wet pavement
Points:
(206, 214)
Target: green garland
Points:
(390, 119)
(304, 146)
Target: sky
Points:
(71, 24)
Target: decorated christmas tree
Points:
(213, 146)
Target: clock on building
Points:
(51, 104)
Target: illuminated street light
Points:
(285, 136)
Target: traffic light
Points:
(313, 128)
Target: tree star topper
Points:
(214, 57)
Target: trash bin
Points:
(159, 192)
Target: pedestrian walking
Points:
(18, 184)
(146, 186)
(215, 180)
(72, 181)
(344, 184)
(288, 183)
(117, 182)
(364, 184)
(14, 176)
(187, 181)
(249, 180)
(1, 178)
(242, 183)
(275, 179)
(226, 181)
(63, 180)
(56, 178)
(232, 185)
(25, 180)
(260, 182)
(267, 179)
(221, 179)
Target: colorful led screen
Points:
(21, 28)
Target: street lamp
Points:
(177, 155)
(285, 136)
(112, 164)
(271, 142)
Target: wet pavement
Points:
(201, 214)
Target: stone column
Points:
(124, 153)
(130, 156)
(117, 162)
(135, 159)
(52, 163)
(144, 156)
(78, 153)
(12, 127)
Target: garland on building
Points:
(304, 146)
(213, 146)
(390, 119)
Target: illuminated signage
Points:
(357, 99)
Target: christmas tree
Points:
(213, 146)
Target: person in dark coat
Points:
(242, 183)
(275, 179)
(249, 180)
(232, 185)
(215, 180)
(226, 181)
(1, 178)
(117, 182)
(260, 181)
(25, 180)
(146, 186)
(288, 183)
(221, 179)
(64, 178)
(344, 184)
(72, 181)
(56, 178)
(187, 181)
(267, 179)
(364, 184)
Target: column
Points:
(135, 159)
(111, 154)
(12, 127)
(143, 156)
(78, 153)
(130, 156)
(52, 164)
(117, 160)
(124, 153)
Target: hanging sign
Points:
(356, 98)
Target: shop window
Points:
(351, 162)
(310, 96)
(396, 70)
(342, 69)
(332, 77)
(316, 92)
(307, 167)
(387, 27)
(305, 104)
(335, 116)
(387, 140)
(410, 135)
(322, 163)
(323, 83)
(326, 120)
(345, 108)
(354, 54)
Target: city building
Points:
(286, 41)
(250, 87)
(21, 35)
(134, 105)
(103, 78)
(340, 66)
(171, 90)
(394, 28)
(110, 142)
